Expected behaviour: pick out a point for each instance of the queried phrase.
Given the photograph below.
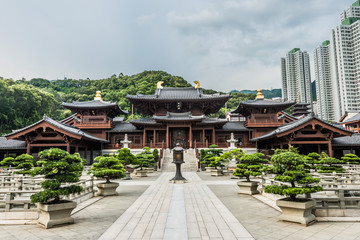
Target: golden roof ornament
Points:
(197, 84)
(259, 95)
(159, 85)
(98, 96)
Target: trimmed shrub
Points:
(108, 168)
(250, 165)
(59, 167)
(290, 168)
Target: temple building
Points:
(179, 115)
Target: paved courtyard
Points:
(204, 208)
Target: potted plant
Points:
(58, 167)
(146, 159)
(127, 159)
(209, 154)
(250, 165)
(7, 162)
(108, 168)
(217, 163)
(330, 165)
(351, 159)
(25, 162)
(156, 158)
(289, 168)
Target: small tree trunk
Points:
(107, 179)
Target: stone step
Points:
(190, 160)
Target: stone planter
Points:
(203, 166)
(217, 172)
(51, 215)
(249, 188)
(141, 173)
(296, 211)
(107, 189)
(208, 169)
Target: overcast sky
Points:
(224, 44)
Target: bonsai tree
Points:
(217, 162)
(126, 157)
(350, 158)
(313, 158)
(156, 155)
(59, 167)
(145, 158)
(290, 169)
(7, 162)
(233, 154)
(25, 162)
(208, 154)
(327, 165)
(250, 165)
(108, 168)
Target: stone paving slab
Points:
(177, 211)
(262, 222)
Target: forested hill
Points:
(25, 102)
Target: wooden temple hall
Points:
(179, 115)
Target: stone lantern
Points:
(232, 141)
(126, 142)
(178, 159)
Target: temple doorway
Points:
(179, 135)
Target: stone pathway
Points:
(159, 214)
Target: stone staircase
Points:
(190, 164)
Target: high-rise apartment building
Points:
(296, 79)
(345, 62)
(324, 95)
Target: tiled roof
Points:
(90, 104)
(68, 118)
(353, 140)
(95, 104)
(233, 126)
(118, 119)
(11, 144)
(245, 105)
(186, 116)
(124, 127)
(353, 119)
(62, 126)
(185, 93)
(294, 124)
(144, 121)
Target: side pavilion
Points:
(48, 133)
(309, 134)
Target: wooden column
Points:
(281, 146)
(77, 148)
(68, 147)
(213, 136)
(28, 149)
(167, 136)
(144, 138)
(85, 153)
(190, 136)
(91, 156)
(203, 137)
(358, 130)
(154, 142)
(319, 149)
(330, 149)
